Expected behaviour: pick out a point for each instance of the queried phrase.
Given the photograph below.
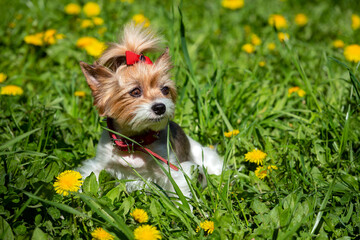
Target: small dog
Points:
(138, 99)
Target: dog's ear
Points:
(115, 62)
(95, 74)
(164, 61)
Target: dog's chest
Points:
(135, 159)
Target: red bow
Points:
(132, 58)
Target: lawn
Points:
(277, 79)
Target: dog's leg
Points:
(89, 166)
(207, 157)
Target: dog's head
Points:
(139, 96)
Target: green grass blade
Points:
(18, 139)
(61, 206)
(353, 78)
(302, 73)
(225, 119)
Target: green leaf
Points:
(91, 185)
(259, 207)
(104, 179)
(127, 205)
(114, 193)
(274, 215)
(38, 234)
(54, 212)
(155, 209)
(20, 230)
(5, 230)
(50, 172)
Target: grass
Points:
(313, 140)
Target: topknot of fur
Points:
(135, 38)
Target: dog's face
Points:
(138, 97)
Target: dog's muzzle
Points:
(159, 108)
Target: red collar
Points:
(145, 139)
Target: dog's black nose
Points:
(159, 108)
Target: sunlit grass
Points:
(295, 99)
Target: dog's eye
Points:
(165, 90)
(136, 92)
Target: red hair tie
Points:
(132, 58)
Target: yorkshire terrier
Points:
(138, 98)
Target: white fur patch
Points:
(146, 118)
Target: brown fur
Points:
(179, 142)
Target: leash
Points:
(145, 139)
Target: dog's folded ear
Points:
(164, 61)
(115, 62)
(95, 74)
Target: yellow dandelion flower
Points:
(232, 4)
(85, 41)
(68, 181)
(211, 147)
(60, 36)
(262, 63)
(72, 9)
(91, 9)
(278, 21)
(141, 19)
(301, 93)
(86, 23)
(147, 232)
(231, 133)
(11, 90)
(3, 77)
(140, 215)
(301, 19)
(255, 156)
(95, 49)
(41, 38)
(338, 43)
(35, 39)
(101, 234)
(283, 36)
(270, 167)
(49, 36)
(355, 21)
(248, 48)
(79, 94)
(98, 21)
(271, 46)
(292, 90)
(352, 53)
(260, 172)
(297, 90)
(255, 40)
(208, 226)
